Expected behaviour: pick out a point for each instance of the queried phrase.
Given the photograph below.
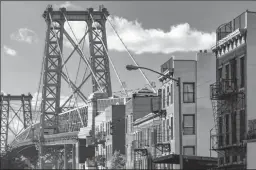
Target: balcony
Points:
(140, 147)
(223, 89)
(100, 137)
(140, 144)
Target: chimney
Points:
(205, 51)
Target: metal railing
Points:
(225, 29)
(223, 87)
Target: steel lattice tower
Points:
(23, 114)
(53, 62)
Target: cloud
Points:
(25, 35)
(67, 5)
(9, 51)
(180, 37)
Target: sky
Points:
(152, 31)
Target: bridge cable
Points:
(118, 77)
(85, 68)
(87, 62)
(78, 69)
(39, 87)
(130, 54)
(65, 68)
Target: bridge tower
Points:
(21, 111)
(54, 64)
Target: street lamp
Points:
(132, 67)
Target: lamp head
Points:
(131, 67)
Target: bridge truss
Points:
(59, 121)
(14, 108)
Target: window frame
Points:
(190, 146)
(184, 93)
(194, 124)
(242, 71)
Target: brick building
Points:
(234, 92)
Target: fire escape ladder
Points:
(160, 143)
(226, 101)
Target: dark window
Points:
(220, 73)
(168, 96)
(168, 129)
(172, 128)
(233, 69)
(171, 94)
(163, 98)
(188, 92)
(242, 125)
(227, 71)
(227, 129)
(163, 131)
(189, 150)
(242, 72)
(189, 124)
(234, 139)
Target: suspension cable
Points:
(130, 54)
(39, 84)
(65, 68)
(118, 77)
(78, 45)
(85, 68)
(78, 69)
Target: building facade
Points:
(234, 92)
(137, 107)
(155, 142)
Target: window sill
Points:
(188, 102)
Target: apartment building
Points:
(95, 132)
(137, 107)
(234, 92)
(156, 133)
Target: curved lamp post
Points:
(132, 67)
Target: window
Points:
(188, 92)
(168, 129)
(242, 72)
(242, 125)
(189, 124)
(163, 98)
(227, 71)
(171, 128)
(126, 124)
(168, 96)
(171, 94)
(227, 129)
(233, 69)
(220, 73)
(189, 150)
(233, 117)
(131, 123)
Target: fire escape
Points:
(227, 100)
(159, 138)
(140, 150)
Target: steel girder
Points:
(6, 120)
(99, 58)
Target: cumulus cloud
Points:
(67, 5)
(180, 37)
(25, 35)
(9, 51)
